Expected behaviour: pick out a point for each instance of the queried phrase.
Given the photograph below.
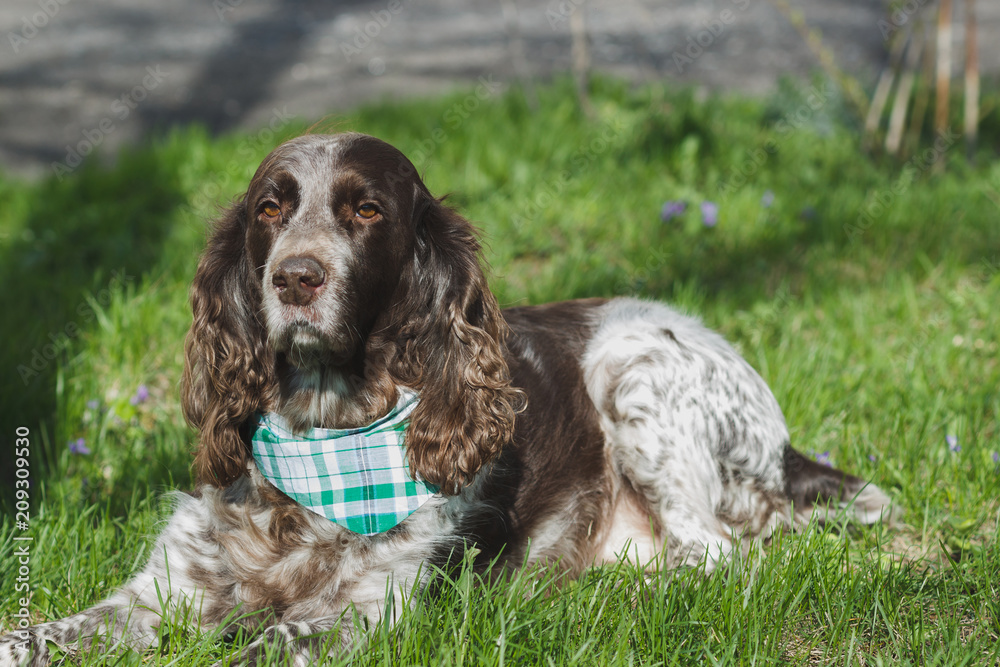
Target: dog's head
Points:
(336, 278)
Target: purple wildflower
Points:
(953, 445)
(996, 457)
(78, 446)
(872, 458)
(141, 395)
(824, 458)
(672, 209)
(709, 213)
(93, 404)
(767, 200)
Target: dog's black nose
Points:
(296, 280)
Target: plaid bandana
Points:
(357, 478)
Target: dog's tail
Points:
(826, 493)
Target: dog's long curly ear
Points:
(227, 368)
(450, 348)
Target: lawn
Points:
(864, 290)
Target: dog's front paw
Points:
(296, 644)
(23, 648)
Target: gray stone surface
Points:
(109, 72)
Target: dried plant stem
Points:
(885, 81)
(923, 95)
(943, 79)
(814, 40)
(971, 78)
(897, 121)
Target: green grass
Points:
(878, 335)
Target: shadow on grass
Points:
(84, 236)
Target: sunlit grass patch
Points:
(876, 328)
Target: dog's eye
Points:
(270, 209)
(367, 211)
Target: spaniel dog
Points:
(338, 294)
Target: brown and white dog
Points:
(587, 429)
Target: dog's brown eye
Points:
(367, 211)
(270, 209)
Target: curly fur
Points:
(444, 337)
(228, 372)
(451, 349)
(569, 434)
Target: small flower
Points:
(93, 404)
(78, 446)
(953, 445)
(709, 213)
(767, 200)
(141, 394)
(672, 209)
(872, 458)
(824, 458)
(996, 457)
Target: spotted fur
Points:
(643, 435)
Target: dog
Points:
(337, 298)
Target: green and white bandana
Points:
(357, 478)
